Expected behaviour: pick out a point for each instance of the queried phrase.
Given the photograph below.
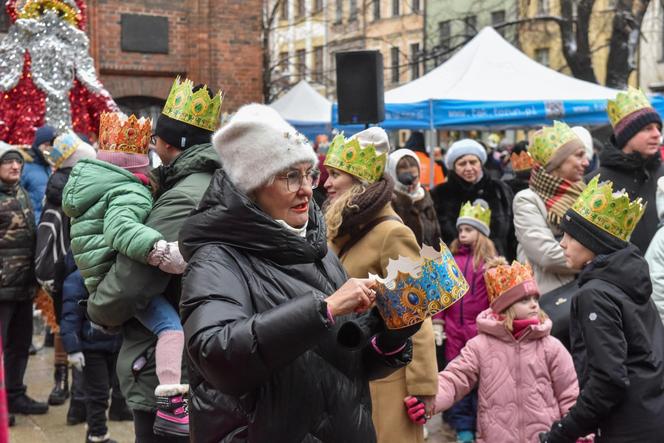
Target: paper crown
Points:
(522, 161)
(349, 156)
(66, 9)
(502, 278)
(626, 103)
(63, 147)
(194, 108)
(416, 288)
(610, 211)
(120, 133)
(548, 139)
(478, 210)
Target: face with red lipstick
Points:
(284, 199)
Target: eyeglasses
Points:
(294, 179)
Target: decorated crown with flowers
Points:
(522, 161)
(549, 139)
(626, 103)
(120, 133)
(504, 277)
(417, 288)
(194, 108)
(610, 211)
(349, 156)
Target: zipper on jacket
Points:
(471, 291)
(518, 389)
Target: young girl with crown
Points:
(471, 249)
(615, 321)
(108, 200)
(525, 377)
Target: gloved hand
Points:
(77, 360)
(356, 333)
(415, 409)
(438, 332)
(392, 339)
(557, 434)
(173, 263)
(158, 252)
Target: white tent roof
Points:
(303, 104)
(488, 68)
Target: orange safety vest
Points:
(438, 174)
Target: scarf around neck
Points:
(519, 327)
(557, 193)
(365, 206)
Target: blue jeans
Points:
(159, 316)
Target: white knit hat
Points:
(83, 150)
(258, 143)
(463, 147)
(586, 138)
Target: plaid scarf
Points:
(557, 193)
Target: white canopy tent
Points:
(305, 108)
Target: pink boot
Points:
(172, 415)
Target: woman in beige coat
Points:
(555, 183)
(365, 232)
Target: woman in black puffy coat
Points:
(263, 299)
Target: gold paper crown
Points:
(626, 102)
(416, 289)
(349, 156)
(120, 133)
(476, 211)
(35, 9)
(610, 211)
(522, 161)
(502, 278)
(549, 139)
(193, 108)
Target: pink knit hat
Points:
(130, 162)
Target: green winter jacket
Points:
(129, 286)
(107, 206)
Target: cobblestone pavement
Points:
(52, 427)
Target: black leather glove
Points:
(356, 333)
(392, 339)
(557, 434)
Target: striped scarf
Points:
(557, 193)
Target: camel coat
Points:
(371, 255)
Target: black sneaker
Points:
(27, 406)
(99, 439)
(76, 413)
(60, 391)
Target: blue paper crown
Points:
(416, 289)
(63, 147)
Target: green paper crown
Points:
(193, 108)
(477, 212)
(625, 103)
(548, 140)
(349, 156)
(610, 211)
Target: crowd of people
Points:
(211, 299)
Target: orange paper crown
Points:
(502, 278)
(522, 161)
(120, 133)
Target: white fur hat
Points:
(258, 143)
(464, 147)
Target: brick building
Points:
(139, 46)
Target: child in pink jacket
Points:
(525, 377)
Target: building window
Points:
(470, 25)
(414, 61)
(542, 7)
(444, 34)
(283, 62)
(394, 55)
(317, 68)
(301, 8)
(395, 8)
(318, 6)
(284, 9)
(339, 11)
(415, 6)
(376, 9)
(300, 64)
(353, 10)
(542, 56)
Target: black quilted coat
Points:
(264, 364)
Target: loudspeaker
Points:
(360, 94)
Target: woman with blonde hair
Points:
(365, 232)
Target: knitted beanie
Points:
(587, 139)
(257, 143)
(463, 147)
(475, 222)
(130, 162)
(82, 151)
(589, 235)
(8, 151)
(627, 128)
